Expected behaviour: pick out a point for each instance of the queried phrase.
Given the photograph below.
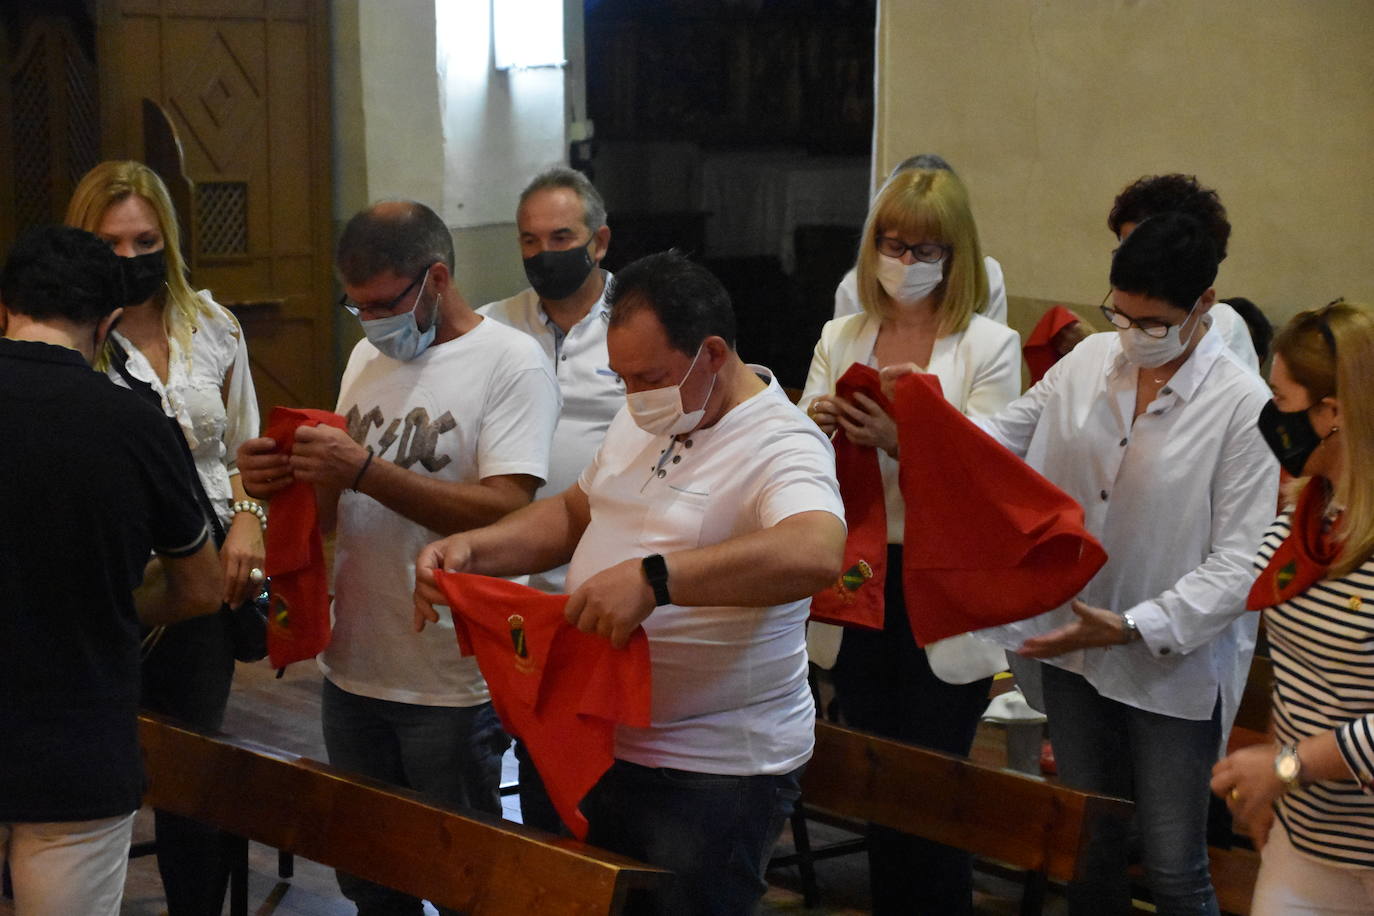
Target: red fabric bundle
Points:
(1304, 557)
(988, 540)
(298, 624)
(1039, 347)
(560, 691)
(856, 597)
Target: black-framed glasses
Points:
(929, 252)
(355, 309)
(1151, 327)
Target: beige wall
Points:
(1048, 108)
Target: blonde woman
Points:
(921, 282)
(1305, 797)
(191, 352)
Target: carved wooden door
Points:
(245, 86)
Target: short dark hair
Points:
(402, 236)
(1261, 330)
(1170, 257)
(1154, 194)
(61, 272)
(928, 161)
(687, 299)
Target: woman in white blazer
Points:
(921, 282)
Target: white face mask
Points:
(659, 411)
(399, 336)
(908, 284)
(1152, 352)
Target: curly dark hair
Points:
(61, 272)
(1154, 194)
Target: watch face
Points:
(1287, 765)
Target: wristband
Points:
(362, 470)
(656, 571)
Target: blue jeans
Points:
(450, 755)
(714, 832)
(1163, 764)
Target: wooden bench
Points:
(478, 864)
(1019, 821)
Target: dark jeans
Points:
(1163, 764)
(450, 755)
(885, 686)
(536, 808)
(187, 676)
(714, 832)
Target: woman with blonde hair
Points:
(921, 282)
(190, 352)
(1305, 797)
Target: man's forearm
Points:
(441, 506)
(537, 537)
(792, 560)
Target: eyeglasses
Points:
(929, 252)
(355, 309)
(1151, 327)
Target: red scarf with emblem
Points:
(1304, 557)
(298, 623)
(856, 598)
(560, 691)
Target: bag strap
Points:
(145, 390)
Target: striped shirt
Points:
(1323, 653)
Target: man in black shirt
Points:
(92, 482)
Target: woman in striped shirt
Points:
(1307, 799)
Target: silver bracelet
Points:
(252, 508)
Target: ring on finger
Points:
(256, 576)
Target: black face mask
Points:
(1289, 435)
(557, 274)
(144, 275)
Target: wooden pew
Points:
(478, 864)
(1016, 820)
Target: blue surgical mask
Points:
(399, 336)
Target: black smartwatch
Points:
(656, 571)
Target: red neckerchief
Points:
(298, 624)
(855, 599)
(988, 540)
(1039, 347)
(1305, 555)
(562, 692)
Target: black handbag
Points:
(247, 623)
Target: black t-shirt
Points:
(92, 480)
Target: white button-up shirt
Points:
(1179, 497)
(592, 393)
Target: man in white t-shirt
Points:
(847, 293)
(709, 515)
(563, 237)
(450, 419)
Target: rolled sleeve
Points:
(1356, 742)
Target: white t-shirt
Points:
(847, 293)
(592, 393)
(482, 405)
(729, 683)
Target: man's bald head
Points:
(400, 236)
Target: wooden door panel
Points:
(245, 85)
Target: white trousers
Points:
(68, 867)
(1292, 884)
